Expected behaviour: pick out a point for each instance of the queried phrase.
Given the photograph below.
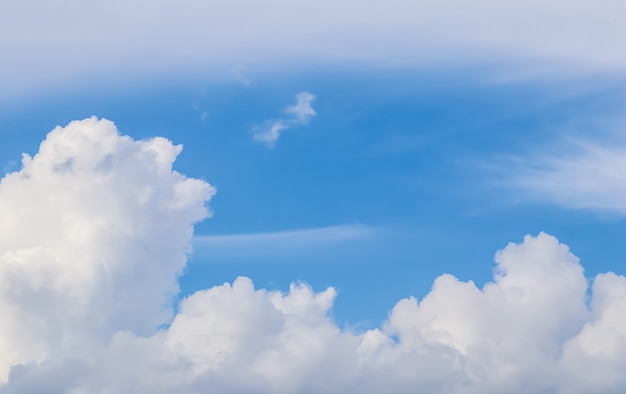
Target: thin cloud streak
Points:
(299, 244)
(301, 237)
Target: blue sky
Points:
(412, 143)
(414, 156)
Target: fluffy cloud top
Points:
(95, 230)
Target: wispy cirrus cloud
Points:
(298, 115)
(579, 173)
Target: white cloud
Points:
(95, 230)
(300, 114)
(585, 174)
(52, 44)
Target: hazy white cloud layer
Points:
(48, 43)
(298, 115)
(96, 228)
(582, 174)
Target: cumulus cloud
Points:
(583, 174)
(299, 115)
(96, 229)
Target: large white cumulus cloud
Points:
(95, 229)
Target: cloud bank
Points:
(96, 228)
(298, 115)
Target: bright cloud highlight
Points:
(96, 228)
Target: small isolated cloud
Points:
(95, 232)
(584, 174)
(302, 111)
(298, 115)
